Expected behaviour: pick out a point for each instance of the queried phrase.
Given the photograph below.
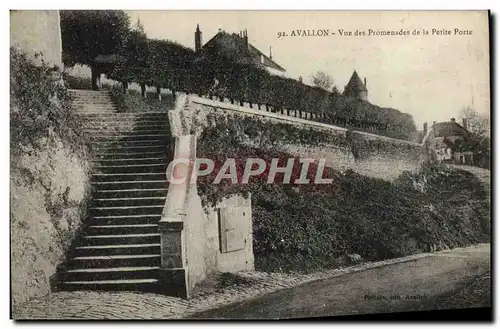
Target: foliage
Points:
(322, 80)
(133, 60)
(133, 102)
(104, 41)
(40, 104)
(95, 38)
(77, 82)
(86, 34)
(309, 227)
(477, 123)
(222, 73)
(369, 217)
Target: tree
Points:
(477, 123)
(335, 90)
(93, 38)
(322, 80)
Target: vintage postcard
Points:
(171, 164)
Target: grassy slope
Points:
(369, 217)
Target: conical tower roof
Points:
(355, 83)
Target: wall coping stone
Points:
(237, 108)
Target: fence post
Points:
(124, 86)
(158, 93)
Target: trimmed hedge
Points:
(40, 103)
(211, 72)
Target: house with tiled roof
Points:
(356, 88)
(452, 142)
(238, 42)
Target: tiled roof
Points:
(355, 83)
(449, 128)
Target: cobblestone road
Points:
(130, 305)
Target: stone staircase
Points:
(119, 248)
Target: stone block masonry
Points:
(368, 154)
(192, 236)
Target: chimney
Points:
(464, 123)
(433, 123)
(365, 84)
(270, 53)
(197, 38)
(452, 119)
(425, 128)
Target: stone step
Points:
(111, 261)
(118, 131)
(89, 97)
(119, 177)
(87, 100)
(130, 184)
(123, 123)
(106, 149)
(123, 249)
(94, 104)
(122, 229)
(129, 161)
(130, 115)
(91, 110)
(129, 155)
(139, 285)
(125, 220)
(131, 193)
(133, 168)
(129, 142)
(85, 95)
(114, 273)
(83, 99)
(127, 210)
(128, 137)
(99, 240)
(139, 201)
(130, 146)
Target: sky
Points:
(432, 77)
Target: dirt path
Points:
(414, 285)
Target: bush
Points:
(73, 82)
(173, 66)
